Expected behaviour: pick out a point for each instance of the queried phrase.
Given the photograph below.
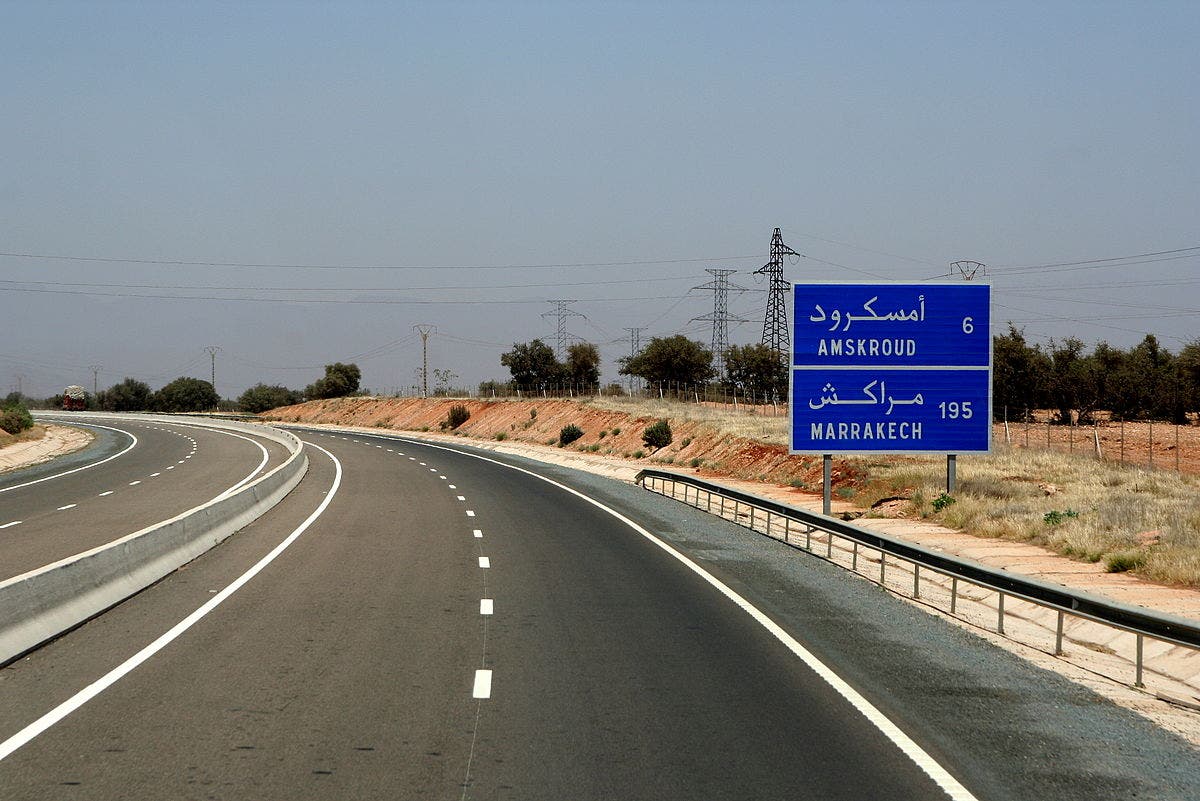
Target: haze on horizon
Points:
(299, 184)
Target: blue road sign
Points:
(891, 368)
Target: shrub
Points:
(1120, 561)
(15, 418)
(657, 435)
(942, 501)
(501, 436)
(603, 434)
(687, 441)
(638, 454)
(569, 434)
(533, 414)
(696, 462)
(1055, 517)
(457, 415)
(616, 431)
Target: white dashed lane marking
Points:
(68, 506)
(452, 486)
(486, 606)
(462, 497)
(470, 513)
(483, 684)
(484, 562)
(105, 494)
(134, 483)
(478, 534)
(13, 523)
(155, 475)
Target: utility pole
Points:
(562, 313)
(424, 329)
(967, 269)
(635, 343)
(775, 324)
(95, 368)
(720, 317)
(211, 350)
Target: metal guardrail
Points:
(802, 529)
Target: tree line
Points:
(1145, 382)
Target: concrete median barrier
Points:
(44, 603)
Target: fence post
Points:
(1152, 443)
(1138, 682)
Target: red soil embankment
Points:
(607, 432)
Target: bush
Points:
(942, 501)
(1121, 561)
(1055, 517)
(457, 416)
(15, 418)
(616, 431)
(638, 454)
(569, 434)
(657, 435)
(696, 462)
(501, 436)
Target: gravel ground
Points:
(1005, 728)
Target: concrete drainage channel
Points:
(42, 604)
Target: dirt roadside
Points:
(57, 441)
(738, 463)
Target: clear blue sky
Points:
(886, 139)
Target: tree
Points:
(583, 364)
(1020, 374)
(674, 359)
(186, 395)
(129, 395)
(260, 398)
(756, 369)
(532, 364)
(340, 380)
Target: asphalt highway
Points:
(428, 624)
(135, 473)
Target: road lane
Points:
(172, 468)
(378, 657)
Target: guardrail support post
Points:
(808, 530)
(1000, 617)
(953, 594)
(854, 558)
(882, 568)
(1058, 636)
(829, 545)
(768, 522)
(1139, 682)
(752, 518)
(787, 529)
(916, 580)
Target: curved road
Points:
(136, 473)
(428, 624)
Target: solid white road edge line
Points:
(951, 786)
(100, 685)
(483, 684)
(13, 523)
(86, 466)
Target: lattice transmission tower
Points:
(720, 317)
(562, 313)
(775, 324)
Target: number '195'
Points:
(956, 411)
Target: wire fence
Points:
(750, 401)
(1147, 444)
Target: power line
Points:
(1194, 250)
(286, 266)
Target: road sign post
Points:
(891, 368)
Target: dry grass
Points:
(1127, 517)
(28, 435)
(762, 428)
